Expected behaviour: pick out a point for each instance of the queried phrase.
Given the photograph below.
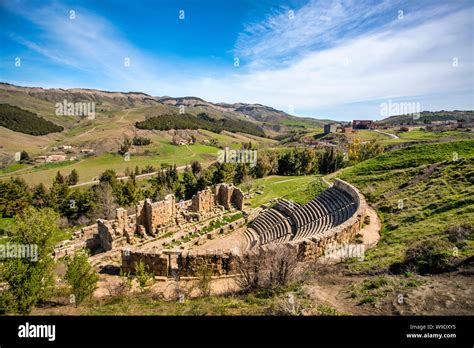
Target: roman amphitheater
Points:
(217, 227)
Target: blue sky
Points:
(321, 58)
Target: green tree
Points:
(109, 176)
(196, 167)
(73, 178)
(189, 182)
(40, 196)
(59, 199)
(225, 173)
(129, 193)
(30, 279)
(81, 276)
(289, 164)
(308, 161)
(59, 178)
(205, 179)
(266, 165)
(80, 204)
(241, 171)
(125, 146)
(14, 197)
(330, 160)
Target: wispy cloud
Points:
(87, 42)
(412, 57)
(320, 24)
(329, 55)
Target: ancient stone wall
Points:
(228, 195)
(87, 237)
(159, 214)
(151, 219)
(238, 198)
(182, 263)
(224, 262)
(203, 201)
(345, 233)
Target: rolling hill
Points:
(117, 113)
(107, 101)
(427, 117)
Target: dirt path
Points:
(393, 136)
(371, 232)
(90, 130)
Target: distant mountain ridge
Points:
(252, 112)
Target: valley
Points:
(416, 180)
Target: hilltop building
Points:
(363, 124)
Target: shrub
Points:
(431, 256)
(140, 141)
(81, 276)
(125, 284)
(459, 233)
(289, 305)
(143, 274)
(205, 279)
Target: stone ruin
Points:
(228, 195)
(335, 222)
(203, 202)
(153, 219)
(169, 263)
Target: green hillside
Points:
(19, 120)
(427, 117)
(419, 192)
(202, 121)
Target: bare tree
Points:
(267, 268)
(248, 183)
(106, 202)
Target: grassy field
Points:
(367, 135)
(415, 199)
(13, 168)
(263, 302)
(91, 167)
(297, 188)
(423, 135)
(415, 135)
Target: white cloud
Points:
(317, 25)
(399, 61)
(91, 44)
(332, 56)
